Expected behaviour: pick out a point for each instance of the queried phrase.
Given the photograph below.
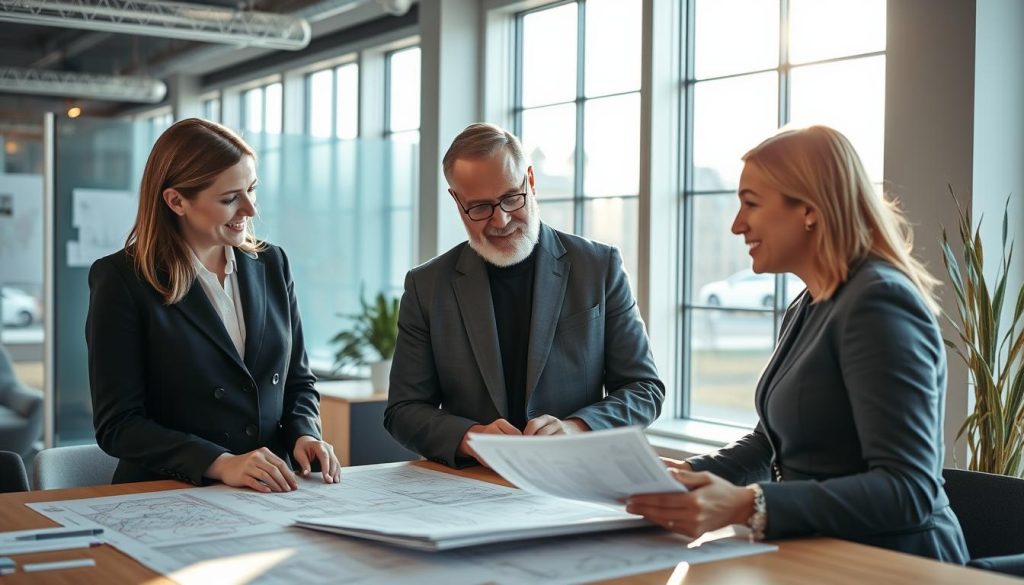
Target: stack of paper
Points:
(577, 482)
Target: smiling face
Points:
(774, 226)
(506, 238)
(218, 215)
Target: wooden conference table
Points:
(810, 561)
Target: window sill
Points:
(682, 438)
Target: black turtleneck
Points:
(512, 295)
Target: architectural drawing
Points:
(226, 535)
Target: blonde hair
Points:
(483, 140)
(819, 167)
(187, 157)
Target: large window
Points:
(403, 94)
(577, 110)
(333, 102)
(262, 109)
(211, 107)
(752, 66)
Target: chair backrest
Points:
(12, 473)
(990, 509)
(78, 466)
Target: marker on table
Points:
(64, 534)
(71, 564)
(6, 566)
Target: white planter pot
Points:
(380, 376)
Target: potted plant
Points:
(994, 354)
(371, 339)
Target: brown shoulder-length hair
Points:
(818, 166)
(187, 157)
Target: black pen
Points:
(70, 533)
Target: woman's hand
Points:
(676, 464)
(309, 449)
(260, 470)
(710, 504)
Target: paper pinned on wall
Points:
(103, 218)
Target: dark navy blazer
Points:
(169, 391)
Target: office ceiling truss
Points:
(166, 19)
(81, 85)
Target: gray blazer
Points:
(589, 356)
(851, 406)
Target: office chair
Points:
(12, 473)
(78, 466)
(991, 512)
(21, 411)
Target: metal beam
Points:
(178, 20)
(81, 85)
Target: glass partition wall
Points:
(341, 209)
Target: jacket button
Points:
(218, 393)
(276, 378)
(251, 430)
(226, 436)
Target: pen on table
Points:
(69, 533)
(24, 548)
(69, 564)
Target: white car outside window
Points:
(747, 290)
(17, 307)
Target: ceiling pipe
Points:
(81, 85)
(158, 18)
(313, 13)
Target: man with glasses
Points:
(522, 330)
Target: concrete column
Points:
(451, 45)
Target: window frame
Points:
(579, 197)
(683, 423)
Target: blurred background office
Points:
(634, 112)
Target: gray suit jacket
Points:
(851, 407)
(589, 356)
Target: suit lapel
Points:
(551, 276)
(783, 357)
(473, 293)
(252, 288)
(197, 309)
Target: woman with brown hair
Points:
(849, 442)
(196, 359)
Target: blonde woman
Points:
(196, 359)
(849, 442)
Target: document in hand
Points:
(599, 466)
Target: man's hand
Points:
(498, 427)
(549, 425)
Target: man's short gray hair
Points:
(485, 140)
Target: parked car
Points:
(747, 290)
(18, 308)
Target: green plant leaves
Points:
(995, 428)
(374, 330)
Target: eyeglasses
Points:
(482, 211)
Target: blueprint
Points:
(226, 535)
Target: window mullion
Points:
(581, 16)
(686, 220)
